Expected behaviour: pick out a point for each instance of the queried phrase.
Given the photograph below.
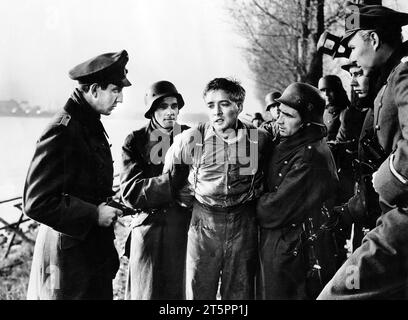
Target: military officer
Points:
(68, 181)
(378, 269)
(157, 241)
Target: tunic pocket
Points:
(66, 242)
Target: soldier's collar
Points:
(85, 110)
(389, 66)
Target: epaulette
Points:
(65, 120)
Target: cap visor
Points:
(126, 82)
(347, 37)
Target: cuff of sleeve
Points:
(389, 185)
(345, 216)
(356, 208)
(79, 219)
(159, 193)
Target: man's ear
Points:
(375, 40)
(93, 89)
(240, 107)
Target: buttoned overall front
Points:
(222, 238)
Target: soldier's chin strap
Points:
(160, 127)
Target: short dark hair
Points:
(391, 36)
(231, 86)
(85, 87)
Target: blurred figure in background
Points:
(272, 111)
(257, 120)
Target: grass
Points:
(15, 269)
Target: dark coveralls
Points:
(300, 178)
(157, 244)
(222, 237)
(378, 269)
(70, 174)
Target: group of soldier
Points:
(225, 207)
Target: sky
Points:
(187, 42)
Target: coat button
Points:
(280, 174)
(309, 147)
(286, 162)
(377, 127)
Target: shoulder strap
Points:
(197, 153)
(199, 146)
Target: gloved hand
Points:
(178, 176)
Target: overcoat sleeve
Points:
(137, 188)
(44, 200)
(391, 179)
(291, 196)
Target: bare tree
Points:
(282, 38)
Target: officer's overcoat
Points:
(158, 241)
(71, 173)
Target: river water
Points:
(17, 143)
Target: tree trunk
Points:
(316, 64)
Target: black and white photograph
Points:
(221, 151)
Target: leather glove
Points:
(178, 176)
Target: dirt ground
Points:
(15, 269)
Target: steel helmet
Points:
(270, 99)
(157, 90)
(306, 99)
(330, 81)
